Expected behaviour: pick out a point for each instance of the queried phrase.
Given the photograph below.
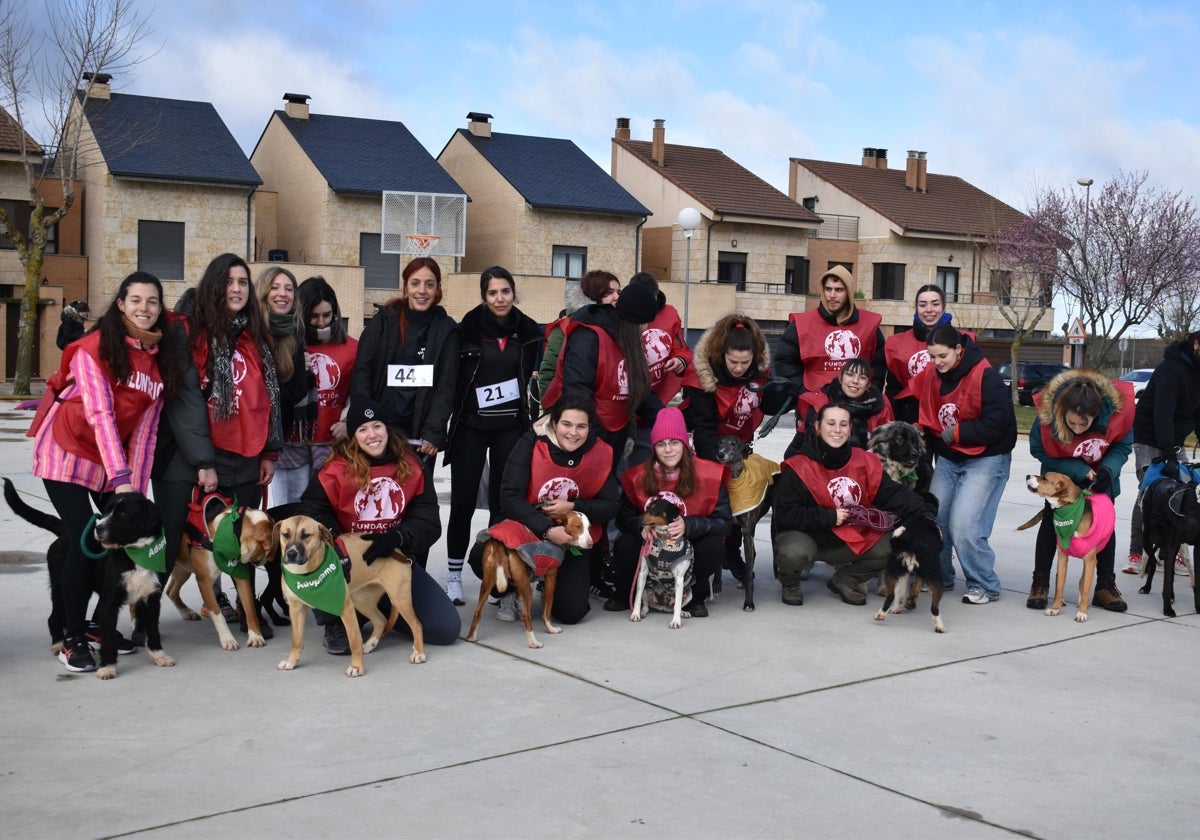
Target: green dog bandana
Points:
(227, 548)
(324, 589)
(152, 557)
(1066, 519)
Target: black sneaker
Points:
(336, 643)
(227, 609)
(615, 604)
(697, 609)
(76, 654)
(124, 646)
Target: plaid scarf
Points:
(223, 387)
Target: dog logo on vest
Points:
(1090, 450)
(238, 363)
(844, 491)
(948, 415)
(743, 406)
(382, 501)
(841, 345)
(327, 372)
(673, 498)
(656, 345)
(622, 379)
(559, 488)
(917, 362)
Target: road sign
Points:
(1076, 334)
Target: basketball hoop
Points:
(421, 244)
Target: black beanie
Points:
(362, 410)
(637, 304)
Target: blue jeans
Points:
(968, 495)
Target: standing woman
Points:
(906, 353)
(698, 486)
(499, 353)
(98, 431)
(968, 418)
(597, 286)
(276, 289)
(330, 355)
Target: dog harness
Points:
(1066, 524)
(226, 543)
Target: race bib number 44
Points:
(410, 376)
(498, 394)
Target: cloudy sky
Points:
(1011, 96)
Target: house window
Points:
(849, 266)
(889, 281)
(731, 269)
(160, 249)
(568, 261)
(1001, 284)
(795, 275)
(17, 213)
(380, 270)
(947, 281)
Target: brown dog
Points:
(502, 565)
(1094, 530)
(254, 539)
(302, 542)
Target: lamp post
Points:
(1086, 183)
(689, 220)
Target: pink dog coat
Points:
(1104, 520)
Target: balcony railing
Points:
(837, 227)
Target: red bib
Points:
(547, 480)
(245, 430)
(737, 410)
(1091, 446)
(856, 483)
(377, 508)
(826, 347)
(611, 385)
(702, 501)
(906, 356)
(939, 410)
(332, 365)
(659, 343)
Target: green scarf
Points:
(324, 589)
(152, 557)
(227, 548)
(1066, 519)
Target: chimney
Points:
(881, 158)
(921, 166)
(297, 105)
(622, 129)
(479, 124)
(910, 171)
(98, 85)
(868, 159)
(658, 143)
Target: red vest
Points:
(906, 356)
(825, 347)
(332, 365)
(738, 413)
(377, 508)
(611, 387)
(660, 342)
(965, 402)
(816, 400)
(245, 430)
(131, 398)
(856, 483)
(548, 480)
(702, 501)
(1091, 446)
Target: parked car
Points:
(1031, 377)
(1139, 378)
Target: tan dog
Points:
(502, 565)
(302, 541)
(256, 545)
(1060, 491)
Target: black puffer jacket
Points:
(581, 354)
(996, 426)
(1169, 409)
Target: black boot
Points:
(1039, 591)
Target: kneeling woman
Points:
(697, 486)
(373, 484)
(828, 504)
(559, 466)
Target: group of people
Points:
(252, 388)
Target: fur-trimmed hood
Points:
(1050, 409)
(709, 359)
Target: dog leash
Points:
(873, 518)
(83, 543)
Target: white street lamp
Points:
(689, 220)
(1086, 183)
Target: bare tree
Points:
(1026, 254)
(41, 70)
(1176, 312)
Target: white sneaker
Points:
(508, 607)
(978, 596)
(454, 588)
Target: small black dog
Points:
(1170, 519)
(751, 494)
(916, 545)
(665, 577)
(129, 521)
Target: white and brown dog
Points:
(313, 576)
(504, 566)
(1089, 519)
(664, 579)
(242, 536)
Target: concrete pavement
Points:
(812, 721)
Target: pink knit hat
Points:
(669, 425)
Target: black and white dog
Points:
(1170, 519)
(130, 524)
(665, 577)
(913, 561)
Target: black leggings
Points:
(709, 553)
(173, 498)
(471, 447)
(74, 506)
(572, 590)
(1046, 549)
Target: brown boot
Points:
(1039, 592)
(1109, 597)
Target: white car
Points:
(1140, 378)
